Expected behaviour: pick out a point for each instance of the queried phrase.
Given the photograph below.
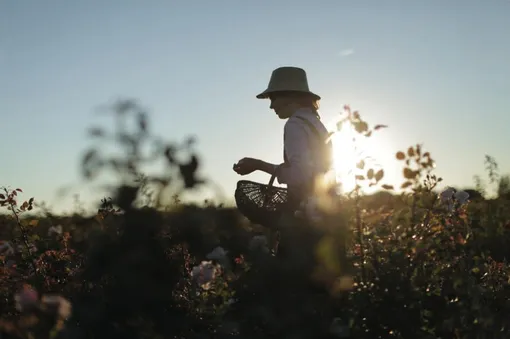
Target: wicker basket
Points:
(261, 204)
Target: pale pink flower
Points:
(62, 305)
(462, 197)
(6, 248)
(26, 298)
(219, 254)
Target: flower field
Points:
(423, 263)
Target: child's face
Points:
(284, 106)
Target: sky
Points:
(436, 72)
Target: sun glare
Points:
(344, 158)
(347, 153)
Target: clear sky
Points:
(437, 72)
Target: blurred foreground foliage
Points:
(415, 265)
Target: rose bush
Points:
(421, 264)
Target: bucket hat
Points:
(288, 79)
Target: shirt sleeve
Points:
(298, 169)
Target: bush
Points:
(415, 265)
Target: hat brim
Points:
(267, 93)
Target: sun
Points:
(349, 148)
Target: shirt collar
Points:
(304, 112)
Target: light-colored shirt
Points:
(305, 162)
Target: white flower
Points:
(55, 230)
(259, 242)
(205, 273)
(450, 196)
(447, 198)
(462, 197)
(447, 195)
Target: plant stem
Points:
(360, 234)
(22, 229)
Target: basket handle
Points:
(273, 176)
(270, 184)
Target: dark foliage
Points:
(415, 267)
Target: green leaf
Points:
(409, 173)
(361, 127)
(379, 175)
(370, 174)
(410, 152)
(406, 184)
